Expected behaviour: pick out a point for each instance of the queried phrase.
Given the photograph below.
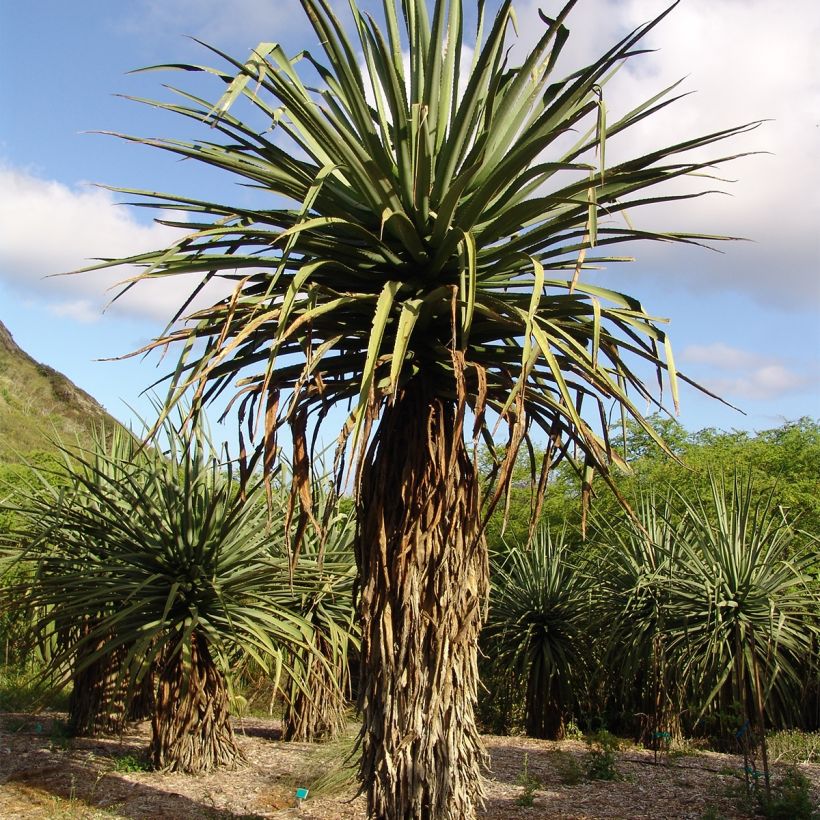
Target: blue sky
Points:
(745, 322)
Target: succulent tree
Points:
(638, 563)
(317, 687)
(537, 626)
(422, 265)
(99, 701)
(709, 604)
(156, 570)
(743, 613)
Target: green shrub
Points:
(790, 798)
(572, 731)
(602, 756)
(22, 689)
(131, 763)
(792, 746)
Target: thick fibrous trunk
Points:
(319, 712)
(141, 704)
(424, 578)
(191, 729)
(98, 703)
(101, 700)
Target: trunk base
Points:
(191, 728)
(98, 701)
(320, 713)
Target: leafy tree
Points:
(426, 260)
(784, 461)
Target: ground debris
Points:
(45, 775)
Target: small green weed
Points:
(72, 807)
(529, 783)
(131, 763)
(572, 732)
(738, 793)
(602, 756)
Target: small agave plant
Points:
(537, 626)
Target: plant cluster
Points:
(792, 746)
(152, 574)
(790, 798)
(694, 614)
(420, 258)
(131, 763)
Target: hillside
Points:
(38, 404)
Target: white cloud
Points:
(722, 356)
(745, 60)
(50, 228)
(741, 374)
(81, 310)
(768, 382)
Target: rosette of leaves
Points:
(744, 622)
(538, 626)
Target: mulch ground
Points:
(44, 775)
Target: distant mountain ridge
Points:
(38, 404)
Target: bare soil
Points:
(45, 775)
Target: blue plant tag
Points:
(301, 794)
